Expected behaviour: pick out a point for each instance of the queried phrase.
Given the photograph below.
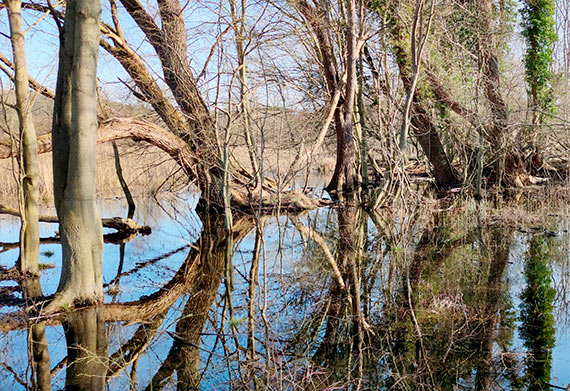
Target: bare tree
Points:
(74, 143)
(29, 192)
(418, 41)
(318, 20)
(489, 66)
(423, 128)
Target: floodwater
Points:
(420, 295)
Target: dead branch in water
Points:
(147, 306)
(119, 223)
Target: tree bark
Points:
(343, 178)
(318, 21)
(423, 128)
(489, 65)
(169, 43)
(29, 232)
(74, 156)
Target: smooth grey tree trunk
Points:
(74, 137)
(29, 194)
(29, 232)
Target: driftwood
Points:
(118, 237)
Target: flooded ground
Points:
(424, 294)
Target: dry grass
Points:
(147, 170)
(277, 161)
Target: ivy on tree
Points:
(540, 36)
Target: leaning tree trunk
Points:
(423, 127)
(184, 355)
(74, 136)
(169, 42)
(317, 18)
(29, 233)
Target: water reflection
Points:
(87, 345)
(537, 320)
(437, 297)
(38, 351)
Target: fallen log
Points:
(243, 196)
(120, 224)
(118, 237)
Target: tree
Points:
(29, 193)
(318, 20)
(536, 311)
(498, 131)
(190, 121)
(423, 128)
(87, 347)
(540, 36)
(74, 134)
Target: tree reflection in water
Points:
(400, 299)
(537, 320)
(87, 343)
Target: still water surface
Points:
(423, 295)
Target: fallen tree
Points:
(244, 195)
(190, 135)
(121, 224)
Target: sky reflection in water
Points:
(479, 329)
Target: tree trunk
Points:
(317, 18)
(38, 352)
(343, 177)
(29, 233)
(169, 43)
(184, 356)
(74, 156)
(498, 258)
(425, 132)
(489, 66)
(423, 128)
